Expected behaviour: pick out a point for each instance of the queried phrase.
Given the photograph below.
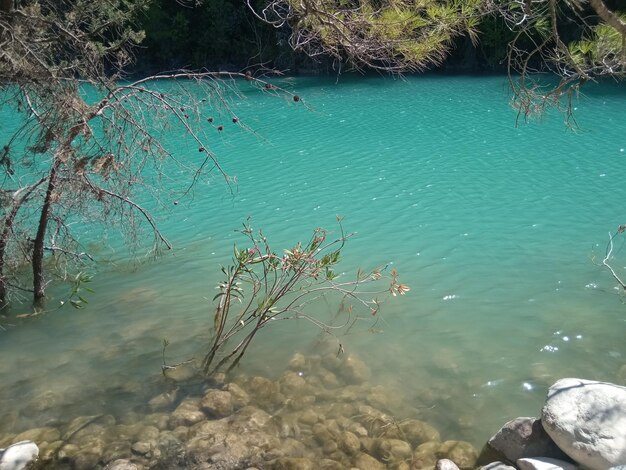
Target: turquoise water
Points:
(493, 227)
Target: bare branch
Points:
(609, 254)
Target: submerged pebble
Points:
(305, 419)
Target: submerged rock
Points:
(187, 413)
(86, 459)
(117, 450)
(367, 462)
(329, 464)
(68, 452)
(349, 443)
(353, 370)
(424, 456)
(230, 426)
(587, 420)
(460, 452)
(217, 403)
(46, 434)
(264, 391)
(141, 448)
(239, 396)
(232, 442)
(292, 463)
(81, 424)
(309, 417)
(299, 363)
(164, 400)
(42, 403)
(181, 372)
(122, 464)
(414, 431)
(445, 464)
(391, 450)
(291, 383)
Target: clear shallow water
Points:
(493, 227)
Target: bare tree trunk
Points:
(20, 197)
(4, 239)
(609, 16)
(38, 246)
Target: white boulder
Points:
(445, 464)
(543, 463)
(17, 456)
(587, 420)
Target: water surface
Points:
(494, 227)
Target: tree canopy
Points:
(574, 40)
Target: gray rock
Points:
(519, 438)
(587, 420)
(497, 466)
(19, 455)
(544, 463)
(445, 464)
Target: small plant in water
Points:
(262, 286)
